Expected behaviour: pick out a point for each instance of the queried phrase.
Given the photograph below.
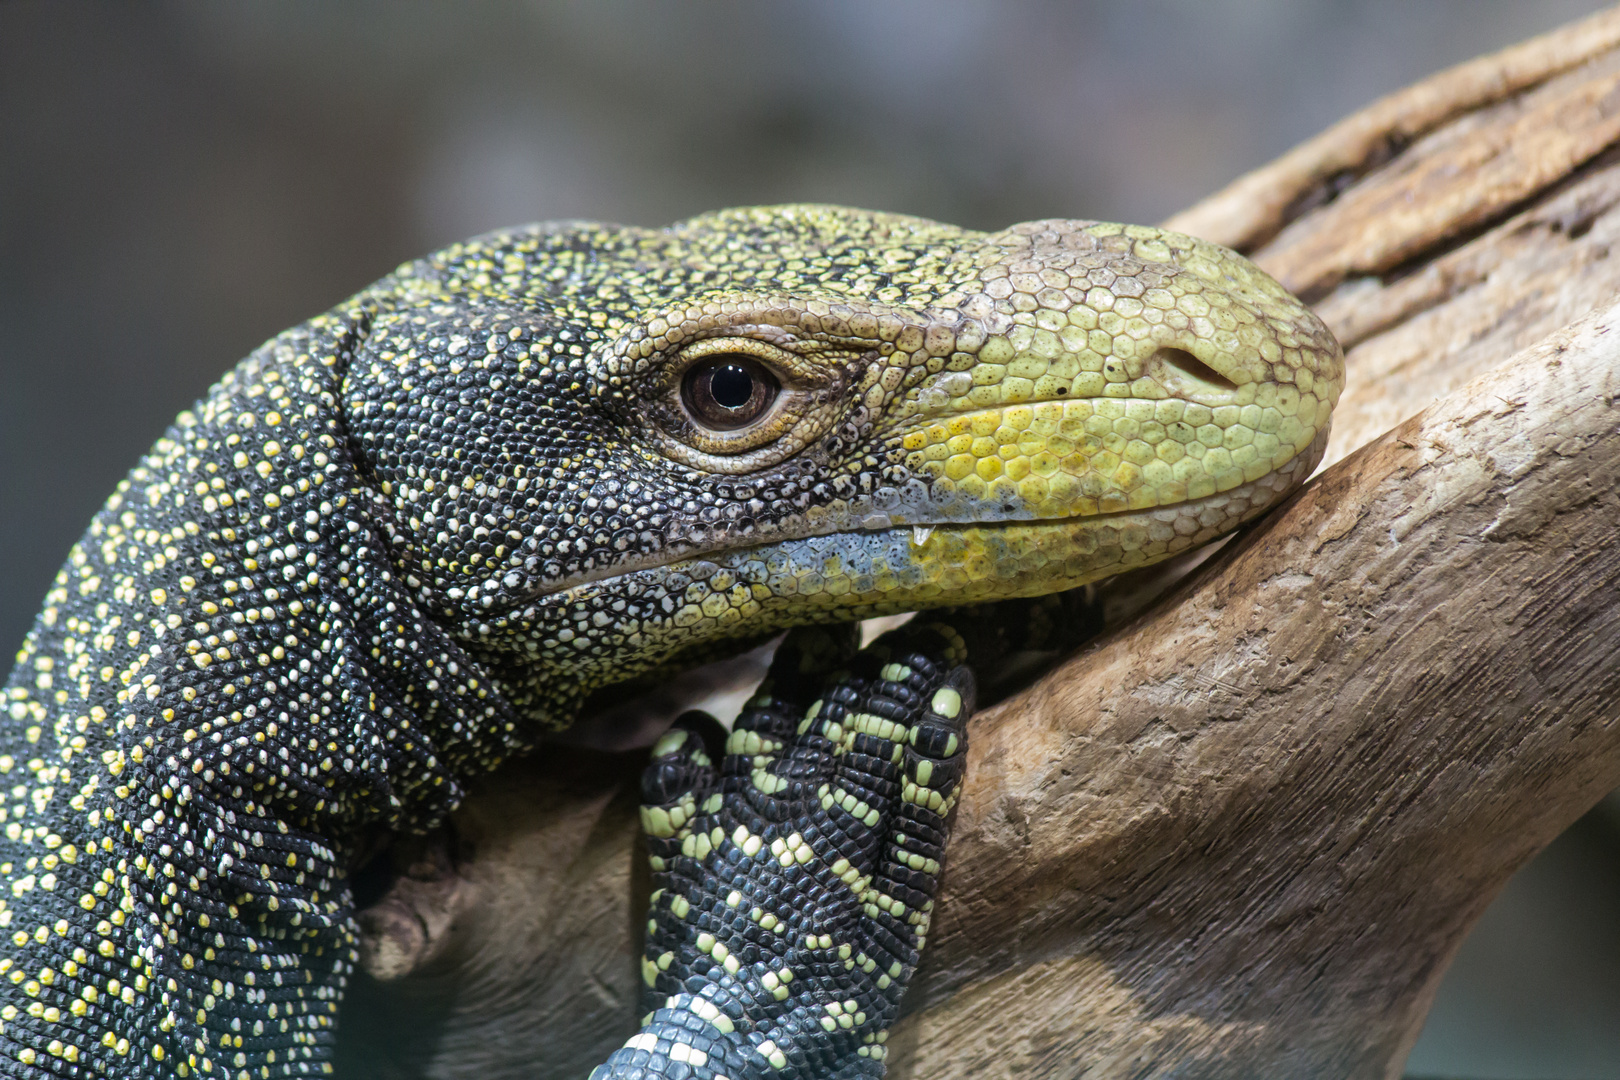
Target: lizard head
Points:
(598, 448)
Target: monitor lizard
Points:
(406, 540)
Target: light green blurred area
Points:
(179, 181)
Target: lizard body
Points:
(405, 540)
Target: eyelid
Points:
(794, 372)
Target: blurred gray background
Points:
(180, 181)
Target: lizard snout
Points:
(1117, 368)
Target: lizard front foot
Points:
(794, 884)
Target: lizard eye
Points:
(738, 403)
(728, 391)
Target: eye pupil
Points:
(732, 386)
(727, 392)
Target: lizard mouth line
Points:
(1267, 487)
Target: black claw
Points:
(681, 766)
(711, 731)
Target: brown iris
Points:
(728, 391)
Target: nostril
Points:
(1188, 364)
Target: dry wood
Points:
(1252, 209)
(1416, 337)
(1466, 173)
(1244, 834)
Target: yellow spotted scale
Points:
(406, 539)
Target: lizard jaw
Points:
(853, 574)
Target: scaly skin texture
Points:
(405, 540)
(795, 884)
